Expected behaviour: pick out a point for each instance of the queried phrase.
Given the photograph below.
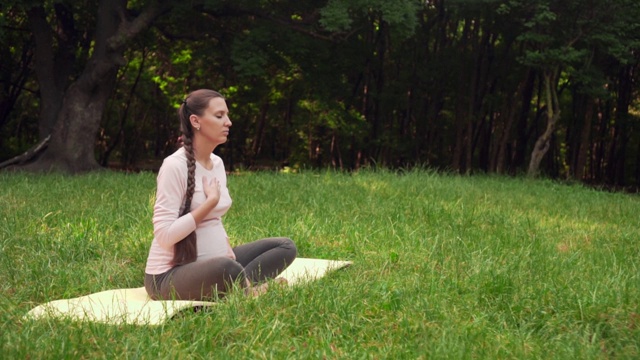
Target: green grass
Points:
(444, 267)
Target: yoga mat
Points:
(133, 306)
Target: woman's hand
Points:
(211, 189)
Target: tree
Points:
(72, 105)
(560, 40)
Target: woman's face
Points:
(214, 123)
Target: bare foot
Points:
(260, 289)
(255, 291)
(281, 281)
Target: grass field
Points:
(444, 267)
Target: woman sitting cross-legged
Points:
(190, 257)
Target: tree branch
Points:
(129, 29)
(28, 155)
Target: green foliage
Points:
(567, 33)
(335, 16)
(339, 15)
(250, 57)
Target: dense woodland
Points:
(538, 87)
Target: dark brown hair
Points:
(186, 250)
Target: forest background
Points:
(508, 87)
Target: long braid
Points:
(191, 172)
(186, 250)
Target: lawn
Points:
(444, 266)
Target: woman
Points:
(190, 256)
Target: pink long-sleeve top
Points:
(169, 227)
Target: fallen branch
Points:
(28, 155)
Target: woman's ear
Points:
(195, 122)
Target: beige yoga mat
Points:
(133, 306)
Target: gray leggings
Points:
(212, 278)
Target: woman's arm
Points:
(168, 226)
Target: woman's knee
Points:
(290, 247)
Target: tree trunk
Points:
(53, 68)
(515, 106)
(462, 101)
(517, 160)
(510, 114)
(583, 146)
(553, 115)
(622, 128)
(380, 48)
(72, 147)
(77, 121)
(256, 147)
